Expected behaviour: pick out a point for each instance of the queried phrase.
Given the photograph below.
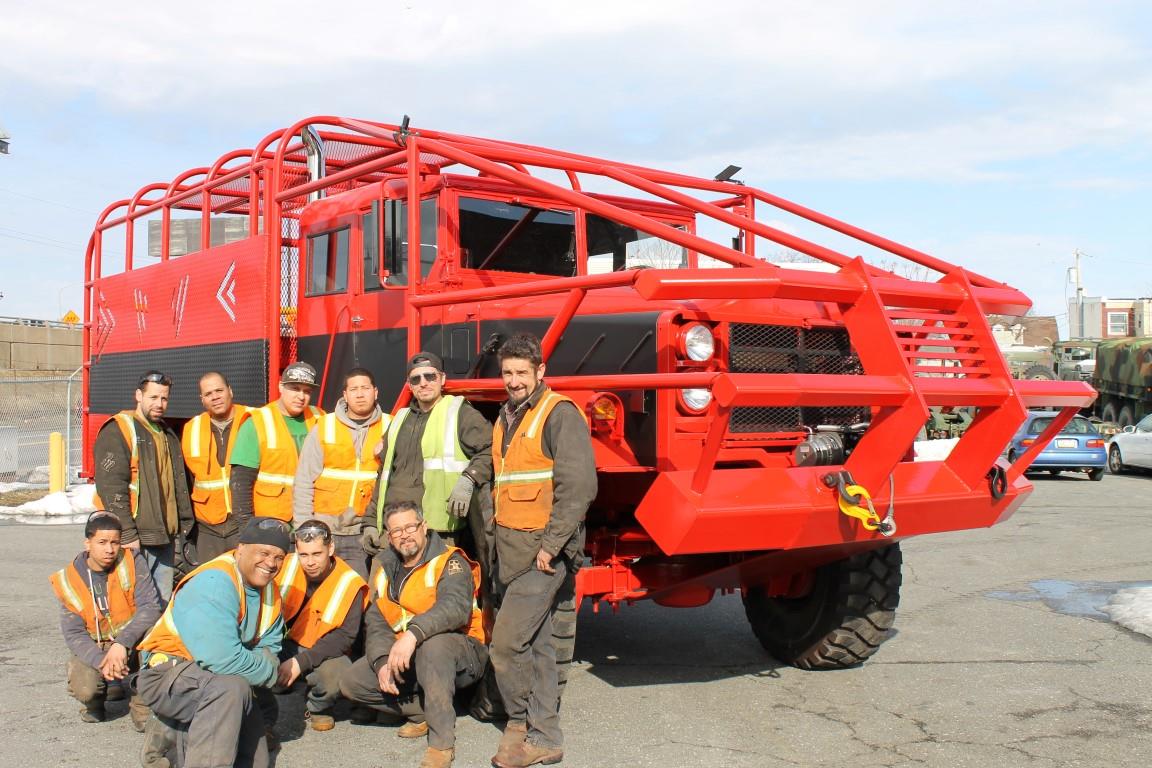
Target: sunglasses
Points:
(271, 524)
(155, 377)
(414, 379)
(311, 532)
(410, 528)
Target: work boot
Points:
(320, 721)
(159, 738)
(93, 711)
(139, 713)
(526, 753)
(437, 758)
(515, 731)
(411, 730)
(115, 692)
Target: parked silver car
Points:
(1132, 448)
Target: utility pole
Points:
(1079, 296)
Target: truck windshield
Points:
(613, 246)
(504, 236)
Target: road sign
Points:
(71, 318)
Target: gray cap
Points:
(268, 531)
(421, 359)
(299, 373)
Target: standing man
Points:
(545, 481)
(424, 633)
(268, 445)
(218, 638)
(107, 602)
(324, 602)
(140, 477)
(437, 451)
(338, 467)
(207, 443)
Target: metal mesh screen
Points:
(31, 410)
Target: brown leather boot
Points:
(139, 712)
(437, 758)
(526, 753)
(514, 734)
(411, 730)
(320, 721)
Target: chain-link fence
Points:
(31, 409)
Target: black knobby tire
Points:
(1038, 372)
(841, 622)
(1116, 461)
(1125, 418)
(1109, 413)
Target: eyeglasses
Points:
(312, 531)
(410, 528)
(414, 379)
(155, 377)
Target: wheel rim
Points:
(1114, 462)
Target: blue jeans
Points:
(161, 564)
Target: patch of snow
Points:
(1132, 608)
(60, 508)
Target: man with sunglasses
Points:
(324, 602)
(437, 451)
(338, 466)
(140, 478)
(425, 636)
(218, 638)
(267, 448)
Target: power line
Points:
(46, 200)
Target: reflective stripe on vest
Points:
(313, 618)
(417, 595)
(76, 596)
(348, 476)
(523, 477)
(443, 462)
(271, 496)
(164, 637)
(211, 497)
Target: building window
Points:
(1117, 323)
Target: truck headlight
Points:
(699, 343)
(696, 399)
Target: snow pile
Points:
(934, 450)
(1132, 608)
(60, 508)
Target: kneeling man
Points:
(425, 634)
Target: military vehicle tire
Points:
(1109, 413)
(1038, 372)
(841, 621)
(1125, 418)
(1116, 461)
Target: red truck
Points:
(753, 423)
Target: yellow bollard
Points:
(55, 462)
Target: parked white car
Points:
(1132, 448)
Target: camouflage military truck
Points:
(1123, 377)
(1030, 362)
(1075, 359)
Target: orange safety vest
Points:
(524, 477)
(418, 595)
(211, 499)
(347, 478)
(74, 593)
(163, 640)
(272, 494)
(126, 420)
(309, 620)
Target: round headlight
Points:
(699, 344)
(696, 399)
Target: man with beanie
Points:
(338, 467)
(107, 602)
(218, 638)
(437, 451)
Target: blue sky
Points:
(1002, 136)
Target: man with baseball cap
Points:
(267, 448)
(218, 637)
(437, 451)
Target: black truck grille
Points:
(788, 349)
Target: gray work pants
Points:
(88, 686)
(323, 685)
(523, 655)
(216, 720)
(210, 544)
(443, 664)
(349, 550)
(161, 563)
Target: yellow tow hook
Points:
(855, 501)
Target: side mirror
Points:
(383, 276)
(1129, 429)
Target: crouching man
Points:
(425, 634)
(324, 601)
(107, 602)
(218, 637)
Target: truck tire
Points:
(1038, 372)
(841, 621)
(1109, 413)
(1125, 418)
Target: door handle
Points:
(356, 319)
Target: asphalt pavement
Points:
(1001, 658)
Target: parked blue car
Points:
(1078, 448)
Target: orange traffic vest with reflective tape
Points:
(347, 478)
(76, 596)
(272, 493)
(418, 594)
(126, 421)
(524, 476)
(310, 619)
(164, 638)
(211, 499)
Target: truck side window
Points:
(516, 238)
(327, 262)
(396, 239)
(370, 231)
(613, 247)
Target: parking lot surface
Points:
(1001, 658)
